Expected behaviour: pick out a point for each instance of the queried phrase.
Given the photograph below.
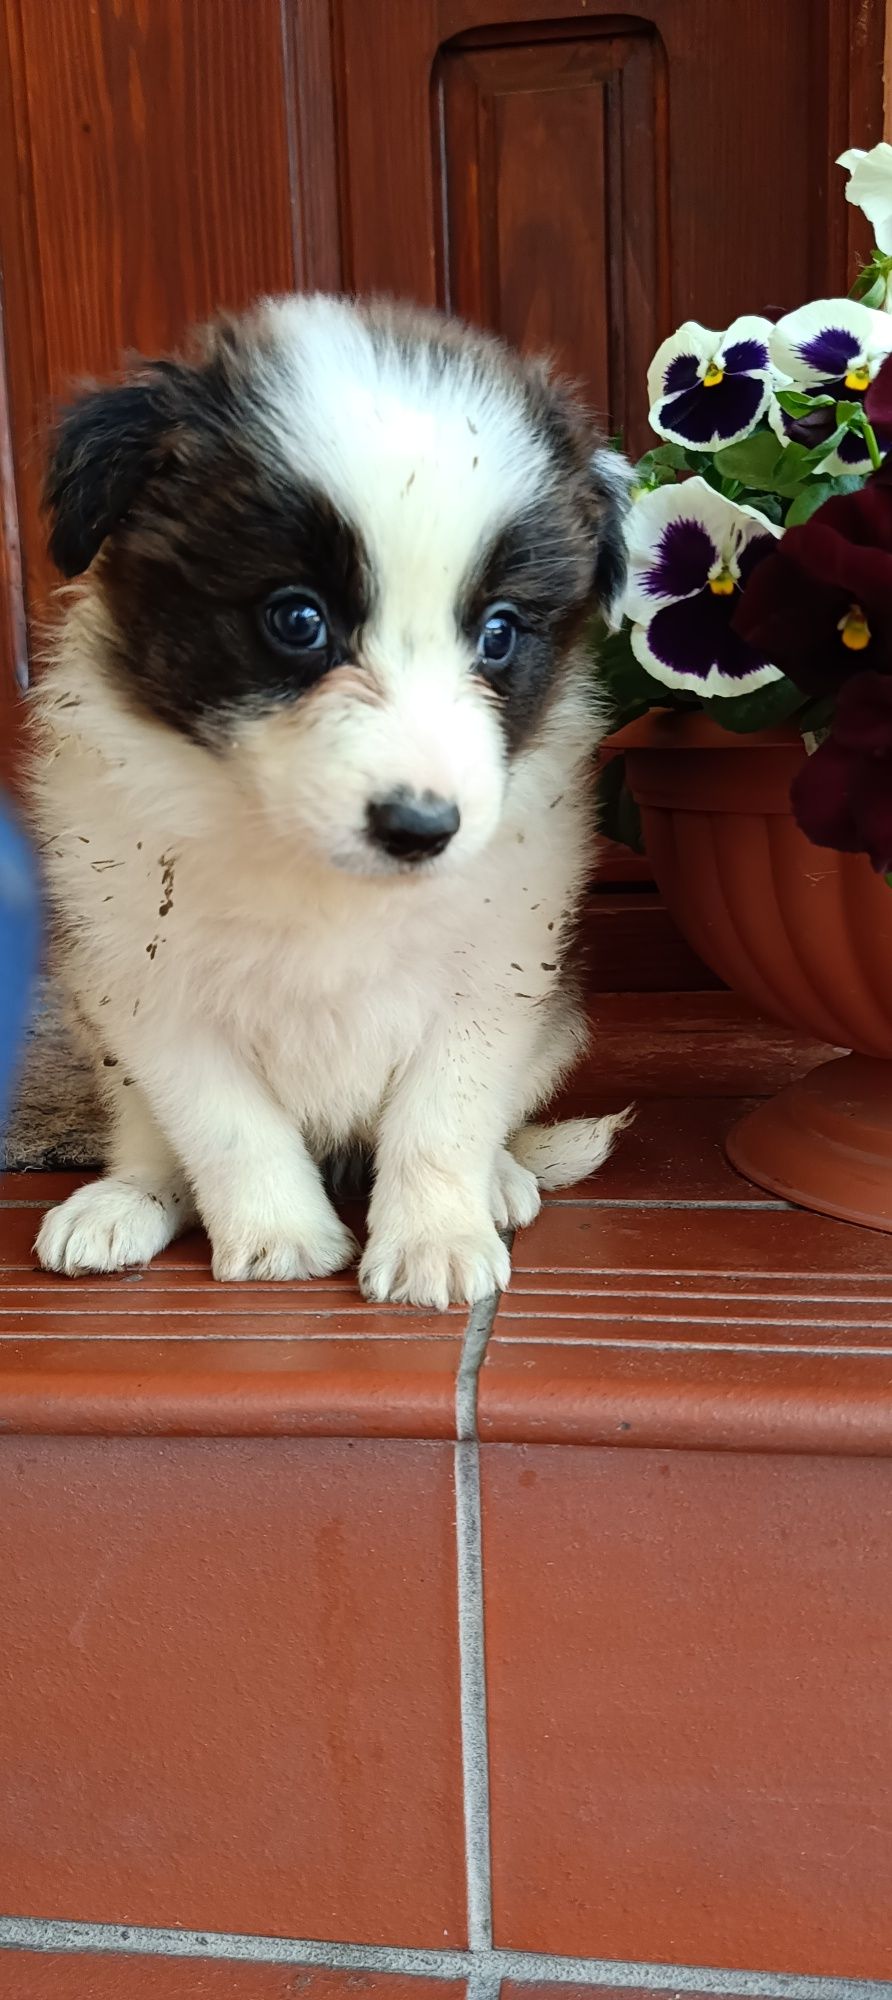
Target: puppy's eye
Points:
(499, 634)
(292, 622)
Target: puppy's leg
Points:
(516, 1200)
(259, 1194)
(139, 1206)
(432, 1236)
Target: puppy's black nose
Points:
(413, 826)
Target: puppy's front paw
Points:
(108, 1226)
(438, 1271)
(516, 1200)
(254, 1252)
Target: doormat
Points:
(56, 1119)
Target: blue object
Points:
(19, 948)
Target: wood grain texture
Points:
(151, 183)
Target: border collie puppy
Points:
(314, 785)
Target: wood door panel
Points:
(548, 145)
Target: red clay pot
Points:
(802, 932)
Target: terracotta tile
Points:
(672, 1151)
(561, 1393)
(401, 1388)
(562, 1992)
(43, 1187)
(63, 1976)
(629, 941)
(687, 1044)
(167, 1350)
(567, 1241)
(716, 1314)
(229, 1687)
(688, 1661)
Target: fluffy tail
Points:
(560, 1155)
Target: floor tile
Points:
(572, 1240)
(707, 1397)
(229, 1387)
(673, 1148)
(561, 1992)
(229, 1687)
(67, 1976)
(683, 1044)
(688, 1664)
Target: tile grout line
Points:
(471, 1645)
(485, 1969)
(485, 1981)
(477, 1332)
(142, 1941)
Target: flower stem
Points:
(872, 446)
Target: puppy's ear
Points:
(611, 477)
(100, 457)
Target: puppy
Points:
(314, 784)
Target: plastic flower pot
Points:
(802, 932)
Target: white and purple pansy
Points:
(690, 554)
(710, 389)
(833, 347)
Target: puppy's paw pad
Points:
(436, 1272)
(106, 1226)
(516, 1200)
(257, 1254)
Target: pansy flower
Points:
(821, 606)
(842, 795)
(870, 189)
(690, 554)
(834, 348)
(710, 389)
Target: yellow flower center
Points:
(858, 378)
(714, 375)
(722, 585)
(854, 629)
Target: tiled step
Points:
(478, 1655)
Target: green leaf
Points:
(761, 462)
(664, 465)
(870, 284)
(769, 504)
(754, 461)
(889, 881)
(809, 500)
(619, 817)
(815, 491)
(795, 403)
(875, 295)
(849, 413)
(674, 456)
(807, 462)
(763, 708)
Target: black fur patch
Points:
(197, 527)
(542, 565)
(98, 463)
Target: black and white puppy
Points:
(314, 782)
